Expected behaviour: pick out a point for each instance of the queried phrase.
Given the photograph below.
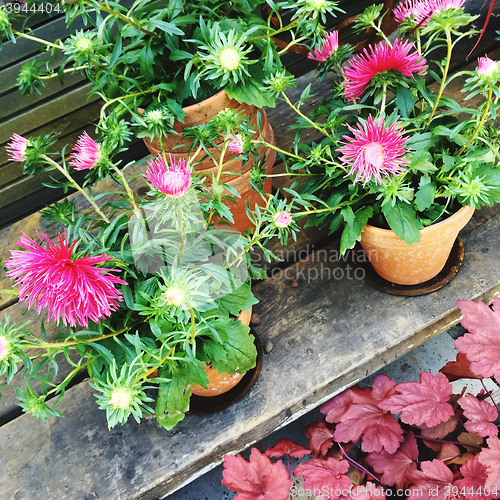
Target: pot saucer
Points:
(450, 269)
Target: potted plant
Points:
(173, 65)
(443, 445)
(146, 292)
(398, 160)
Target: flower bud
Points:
(4, 348)
(121, 398)
(486, 67)
(282, 219)
(230, 59)
(174, 296)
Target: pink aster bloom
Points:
(329, 45)
(374, 151)
(73, 290)
(4, 348)
(377, 59)
(16, 148)
(282, 219)
(87, 153)
(486, 67)
(174, 181)
(420, 11)
(236, 144)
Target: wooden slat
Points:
(326, 334)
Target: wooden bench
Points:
(320, 337)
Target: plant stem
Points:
(381, 33)
(441, 441)
(75, 185)
(10, 293)
(443, 79)
(275, 148)
(291, 44)
(127, 188)
(192, 338)
(151, 370)
(71, 374)
(384, 97)
(308, 120)
(39, 40)
(109, 10)
(69, 70)
(489, 393)
(121, 98)
(358, 466)
(181, 235)
(419, 43)
(480, 124)
(275, 32)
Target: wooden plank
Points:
(326, 335)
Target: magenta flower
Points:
(282, 219)
(236, 144)
(486, 67)
(16, 148)
(329, 45)
(374, 151)
(420, 11)
(87, 153)
(174, 181)
(378, 59)
(73, 290)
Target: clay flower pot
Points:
(404, 264)
(198, 114)
(221, 383)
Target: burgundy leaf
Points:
(359, 414)
(424, 402)
(456, 370)
(258, 479)
(396, 467)
(480, 415)
(325, 477)
(482, 343)
(320, 436)
(286, 447)
(441, 430)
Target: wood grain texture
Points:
(327, 334)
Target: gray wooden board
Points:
(326, 335)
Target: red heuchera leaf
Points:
(286, 447)
(490, 458)
(320, 436)
(358, 413)
(368, 492)
(424, 402)
(441, 430)
(480, 415)
(482, 343)
(325, 476)
(434, 481)
(474, 473)
(258, 479)
(395, 467)
(456, 370)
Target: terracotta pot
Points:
(200, 113)
(404, 264)
(221, 383)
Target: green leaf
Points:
(352, 232)
(127, 296)
(146, 61)
(241, 354)
(240, 300)
(422, 141)
(348, 215)
(173, 399)
(402, 219)
(424, 197)
(249, 92)
(405, 101)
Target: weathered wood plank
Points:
(326, 335)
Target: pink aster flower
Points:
(420, 11)
(73, 290)
(4, 348)
(282, 219)
(374, 151)
(329, 45)
(87, 153)
(236, 144)
(486, 67)
(377, 59)
(174, 181)
(16, 148)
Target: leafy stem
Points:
(307, 119)
(192, 337)
(127, 188)
(39, 40)
(443, 79)
(353, 462)
(480, 124)
(275, 32)
(76, 186)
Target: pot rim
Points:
(206, 101)
(432, 227)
